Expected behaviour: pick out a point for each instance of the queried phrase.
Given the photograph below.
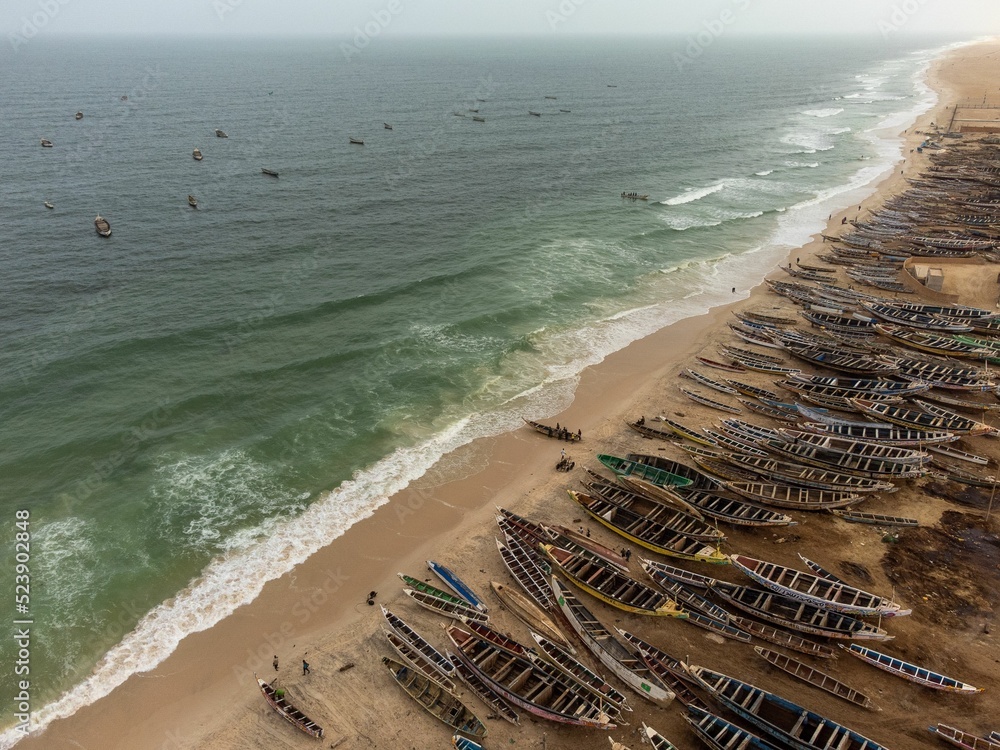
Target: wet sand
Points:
(204, 695)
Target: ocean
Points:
(193, 406)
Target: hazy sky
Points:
(466, 17)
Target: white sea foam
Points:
(828, 112)
(693, 194)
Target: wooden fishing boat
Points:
(581, 544)
(766, 410)
(448, 609)
(534, 686)
(843, 462)
(529, 574)
(727, 367)
(754, 334)
(649, 534)
(911, 672)
(929, 342)
(102, 226)
(710, 403)
(837, 322)
(940, 411)
(734, 511)
(912, 319)
(556, 432)
(268, 172)
(867, 449)
(701, 612)
(672, 518)
(418, 585)
(734, 444)
(611, 586)
(528, 613)
(716, 465)
(795, 614)
(603, 690)
(854, 364)
(438, 702)
(623, 466)
(966, 740)
(862, 384)
(685, 432)
(484, 692)
(651, 432)
(779, 717)
(657, 740)
(960, 403)
(192, 201)
(659, 495)
(913, 419)
(751, 390)
(460, 742)
(665, 667)
(678, 575)
(877, 519)
(197, 154)
(774, 320)
(720, 734)
(608, 650)
(220, 133)
(947, 450)
(417, 642)
(798, 498)
(886, 434)
(814, 590)
(816, 389)
(418, 661)
(499, 640)
(356, 141)
(752, 432)
(808, 476)
(456, 584)
(783, 638)
(287, 711)
(707, 381)
(814, 677)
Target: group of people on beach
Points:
(563, 434)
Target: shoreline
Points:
(297, 615)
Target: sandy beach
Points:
(204, 694)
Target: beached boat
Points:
(788, 722)
(418, 661)
(659, 495)
(911, 672)
(456, 584)
(814, 590)
(793, 498)
(701, 612)
(720, 734)
(602, 644)
(556, 432)
(197, 154)
(808, 476)
(268, 172)
(735, 511)
(679, 575)
(46, 143)
(665, 668)
(734, 444)
(438, 702)
(685, 432)
(843, 462)
(356, 141)
(102, 226)
(420, 644)
(913, 319)
(448, 609)
(602, 690)
(758, 365)
(928, 342)
(886, 434)
(878, 519)
(672, 517)
(526, 571)
(922, 420)
(612, 586)
(531, 615)
(276, 699)
(580, 543)
(710, 403)
(418, 585)
(221, 133)
(623, 466)
(853, 364)
(795, 614)
(192, 201)
(814, 677)
(772, 412)
(867, 449)
(751, 390)
(707, 381)
(657, 740)
(721, 365)
(497, 703)
(783, 638)
(949, 452)
(966, 740)
(464, 743)
(531, 685)
(648, 431)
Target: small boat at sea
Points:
(788, 722)
(221, 133)
(78, 116)
(196, 154)
(192, 201)
(46, 143)
(536, 114)
(557, 432)
(438, 702)
(387, 126)
(276, 699)
(356, 141)
(812, 676)
(456, 584)
(48, 205)
(268, 172)
(102, 226)
(911, 672)
(966, 740)
(478, 118)
(635, 196)
(550, 97)
(565, 111)
(448, 609)
(719, 734)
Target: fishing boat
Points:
(426, 588)
(886, 434)
(912, 319)
(679, 575)
(528, 613)
(419, 644)
(720, 734)
(78, 116)
(867, 449)
(914, 419)
(659, 494)
(657, 740)
(612, 586)
(731, 510)
(287, 711)
(685, 432)
(652, 432)
(269, 172)
(707, 381)
(877, 519)
(48, 205)
(356, 141)
(536, 114)
(464, 743)
(843, 462)
(854, 364)
(221, 133)
(780, 414)
(814, 590)
(783, 638)
(649, 534)
(478, 118)
(699, 480)
(788, 722)
(812, 676)
(797, 498)
(795, 614)
(721, 365)
(751, 390)
(736, 445)
(948, 451)
(456, 584)
(808, 476)
(438, 702)
(929, 342)
(484, 692)
(418, 661)
(701, 612)
(635, 196)
(589, 679)
(102, 226)
(911, 672)
(197, 154)
(528, 574)
(960, 403)
(387, 126)
(710, 403)
(556, 432)
(192, 201)
(46, 143)
(535, 687)
(448, 609)
(966, 740)
(602, 644)
(673, 518)
(665, 668)
(623, 466)
(581, 544)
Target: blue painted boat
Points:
(719, 734)
(464, 743)
(456, 584)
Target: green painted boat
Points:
(659, 477)
(426, 588)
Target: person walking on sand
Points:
(563, 454)
(275, 663)
(305, 667)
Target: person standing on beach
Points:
(305, 667)
(275, 663)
